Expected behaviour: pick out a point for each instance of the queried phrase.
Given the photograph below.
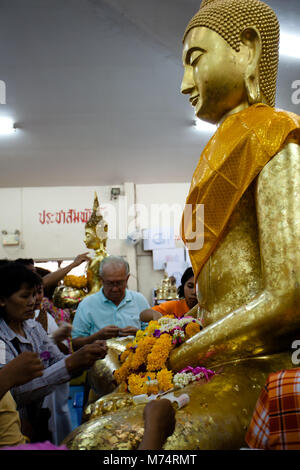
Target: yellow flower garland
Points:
(145, 346)
(192, 329)
(150, 383)
(78, 282)
(143, 363)
(160, 352)
(164, 378)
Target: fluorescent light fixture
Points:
(289, 45)
(6, 126)
(203, 126)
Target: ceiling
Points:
(93, 86)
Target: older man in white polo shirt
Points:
(113, 311)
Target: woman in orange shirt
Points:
(179, 308)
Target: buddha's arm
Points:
(267, 323)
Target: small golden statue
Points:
(167, 290)
(245, 253)
(75, 288)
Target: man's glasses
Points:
(111, 284)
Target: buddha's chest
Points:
(232, 275)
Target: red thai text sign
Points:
(70, 216)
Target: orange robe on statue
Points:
(243, 144)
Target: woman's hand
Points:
(63, 332)
(85, 357)
(25, 367)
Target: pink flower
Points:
(45, 355)
(199, 370)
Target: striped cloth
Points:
(275, 423)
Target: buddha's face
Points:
(91, 240)
(213, 74)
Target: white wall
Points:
(43, 217)
(157, 198)
(48, 232)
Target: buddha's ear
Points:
(251, 38)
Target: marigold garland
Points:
(79, 282)
(160, 352)
(192, 329)
(145, 346)
(143, 363)
(138, 384)
(164, 378)
(124, 355)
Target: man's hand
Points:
(128, 331)
(159, 423)
(110, 331)
(25, 367)
(85, 357)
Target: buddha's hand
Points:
(25, 367)
(85, 357)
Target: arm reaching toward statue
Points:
(149, 314)
(86, 356)
(255, 327)
(56, 276)
(159, 424)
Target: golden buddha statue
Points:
(75, 288)
(245, 252)
(95, 239)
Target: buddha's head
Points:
(91, 239)
(95, 229)
(230, 57)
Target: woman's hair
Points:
(49, 289)
(188, 273)
(13, 275)
(3, 261)
(42, 271)
(25, 261)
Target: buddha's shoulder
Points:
(264, 116)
